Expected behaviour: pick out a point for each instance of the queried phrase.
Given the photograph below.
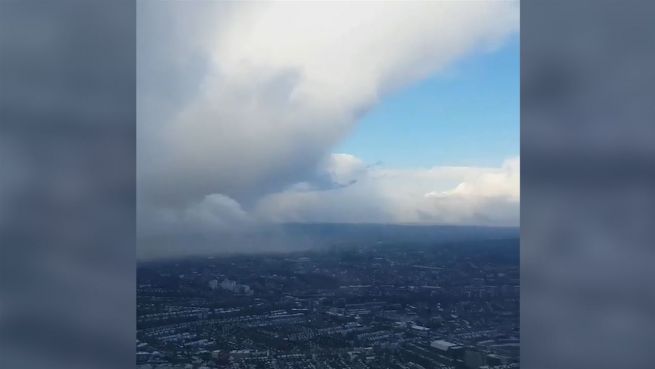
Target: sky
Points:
(466, 115)
(351, 112)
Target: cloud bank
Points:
(439, 195)
(240, 105)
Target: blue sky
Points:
(467, 115)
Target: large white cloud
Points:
(239, 101)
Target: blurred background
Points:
(67, 188)
(587, 182)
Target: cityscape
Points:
(378, 305)
(328, 185)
